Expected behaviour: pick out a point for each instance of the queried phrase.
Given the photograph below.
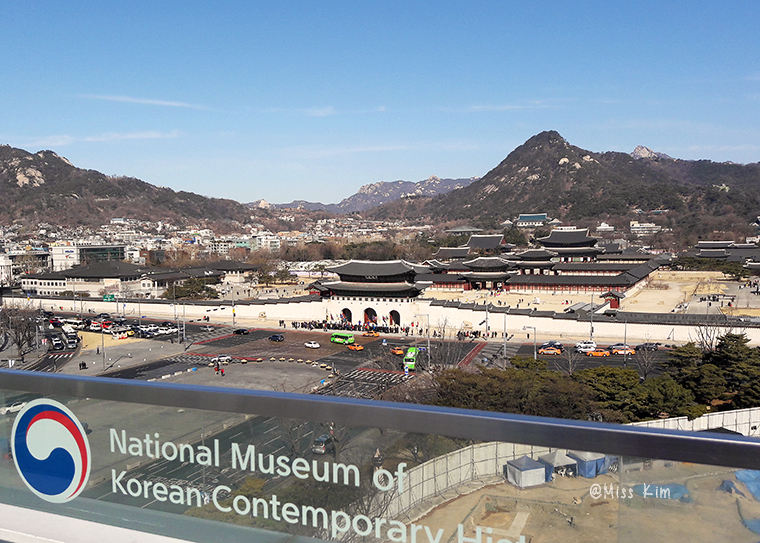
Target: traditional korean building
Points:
(452, 253)
(572, 244)
(489, 244)
(486, 272)
(371, 281)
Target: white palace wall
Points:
(410, 310)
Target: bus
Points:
(410, 358)
(342, 337)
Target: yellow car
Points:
(356, 347)
(397, 350)
(371, 333)
(549, 350)
(598, 352)
(624, 350)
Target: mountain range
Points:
(376, 194)
(545, 174)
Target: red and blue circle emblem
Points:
(51, 450)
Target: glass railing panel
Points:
(210, 474)
(677, 501)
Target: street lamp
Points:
(427, 327)
(534, 338)
(505, 335)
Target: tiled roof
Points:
(106, 269)
(448, 253)
(487, 263)
(373, 268)
(490, 241)
(568, 238)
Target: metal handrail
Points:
(653, 443)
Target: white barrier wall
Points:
(744, 421)
(435, 478)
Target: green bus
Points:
(342, 337)
(410, 358)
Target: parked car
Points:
(311, 345)
(549, 350)
(585, 346)
(554, 343)
(647, 346)
(13, 408)
(241, 331)
(323, 445)
(276, 337)
(598, 352)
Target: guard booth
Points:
(613, 297)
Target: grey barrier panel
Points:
(701, 448)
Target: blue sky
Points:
(311, 100)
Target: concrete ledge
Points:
(20, 525)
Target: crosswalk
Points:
(364, 383)
(492, 354)
(60, 357)
(201, 337)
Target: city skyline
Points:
(311, 102)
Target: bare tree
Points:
(645, 361)
(294, 432)
(569, 361)
(707, 335)
(19, 322)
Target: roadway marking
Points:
(271, 441)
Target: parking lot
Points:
(581, 361)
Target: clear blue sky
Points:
(311, 100)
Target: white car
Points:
(311, 345)
(222, 359)
(207, 328)
(15, 408)
(585, 346)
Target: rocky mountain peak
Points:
(645, 152)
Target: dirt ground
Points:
(565, 511)
(666, 291)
